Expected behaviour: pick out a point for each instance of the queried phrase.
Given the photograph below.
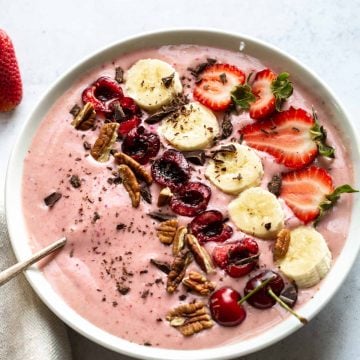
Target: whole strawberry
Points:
(10, 80)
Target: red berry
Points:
(217, 82)
(141, 145)
(129, 106)
(224, 307)
(261, 299)
(209, 226)
(191, 199)
(287, 137)
(102, 93)
(10, 79)
(127, 125)
(171, 169)
(237, 258)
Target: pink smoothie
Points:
(98, 256)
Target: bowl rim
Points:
(91, 331)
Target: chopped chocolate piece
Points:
(167, 81)
(119, 74)
(226, 148)
(223, 78)
(75, 110)
(290, 294)
(182, 297)
(157, 117)
(226, 126)
(52, 199)
(268, 226)
(145, 294)
(274, 185)
(75, 181)
(196, 157)
(146, 193)
(120, 226)
(160, 216)
(146, 343)
(161, 265)
(123, 290)
(87, 145)
(143, 272)
(96, 217)
(201, 67)
(118, 114)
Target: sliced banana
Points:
(145, 83)
(257, 212)
(233, 172)
(193, 128)
(308, 258)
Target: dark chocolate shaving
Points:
(87, 145)
(196, 157)
(123, 290)
(289, 295)
(52, 199)
(118, 114)
(267, 226)
(226, 126)
(167, 81)
(201, 67)
(119, 74)
(226, 148)
(146, 193)
(75, 110)
(161, 265)
(157, 117)
(120, 226)
(274, 185)
(160, 216)
(75, 181)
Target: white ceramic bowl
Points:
(273, 57)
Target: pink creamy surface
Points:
(97, 255)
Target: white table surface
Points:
(50, 36)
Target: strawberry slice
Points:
(310, 192)
(216, 84)
(293, 137)
(266, 94)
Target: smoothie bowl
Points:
(203, 181)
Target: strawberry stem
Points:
(286, 307)
(254, 291)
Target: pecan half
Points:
(166, 231)
(201, 255)
(164, 197)
(281, 245)
(199, 283)
(107, 137)
(179, 240)
(131, 184)
(190, 318)
(177, 270)
(85, 119)
(135, 166)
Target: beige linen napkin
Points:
(28, 330)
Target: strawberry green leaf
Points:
(331, 199)
(318, 134)
(243, 96)
(282, 88)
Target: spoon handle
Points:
(16, 269)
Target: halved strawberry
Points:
(309, 192)
(293, 137)
(216, 84)
(266, 94)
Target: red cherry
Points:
(261, 299)
(102, 93)
(127, 125)
(237, 258)
(224, 307)
(191, 199)
(209, 226)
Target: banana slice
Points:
(194, 128)
(146, 83)
(308, 258)
(257, 212)
(233, 172)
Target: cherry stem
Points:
(285, 306)
(254, 291)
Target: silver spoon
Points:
(16, 269)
